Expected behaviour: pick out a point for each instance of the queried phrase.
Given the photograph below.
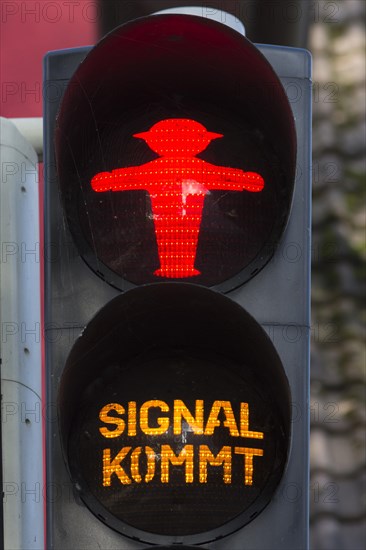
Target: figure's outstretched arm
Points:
(122, 179)
(233, 179)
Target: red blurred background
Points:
(28, 30)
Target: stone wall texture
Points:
(337, 483)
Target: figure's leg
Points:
(177, 238)
(177, 246)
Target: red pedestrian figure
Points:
(177, 183)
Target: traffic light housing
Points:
(178, 421)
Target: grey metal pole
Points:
(21, 343)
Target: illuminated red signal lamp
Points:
(161, 69)
(177, 183)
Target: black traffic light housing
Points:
(167, 341)
(167, 67)
(177, 329)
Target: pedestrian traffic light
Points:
(177, 289)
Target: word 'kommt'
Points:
(181, 421)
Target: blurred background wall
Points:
(334, 31)
(337, 488)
